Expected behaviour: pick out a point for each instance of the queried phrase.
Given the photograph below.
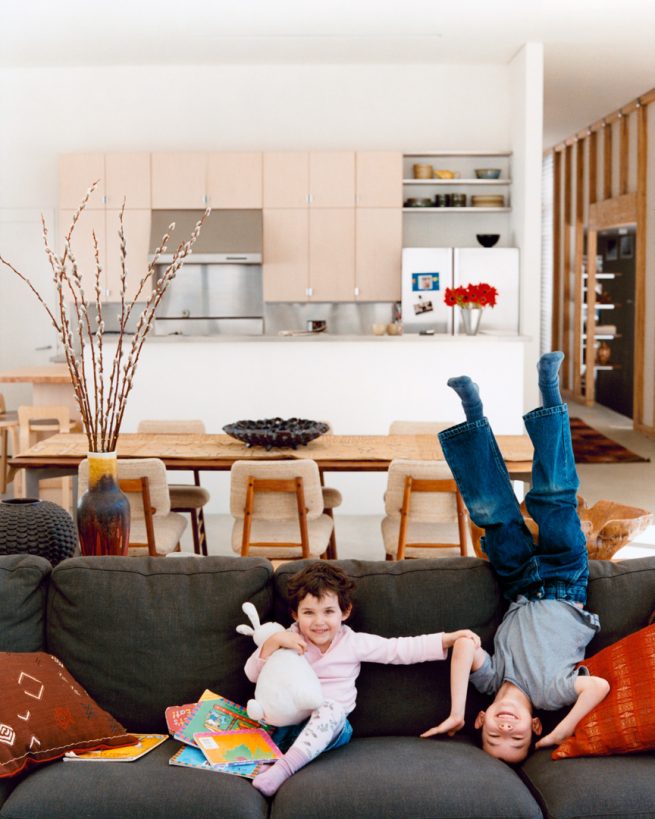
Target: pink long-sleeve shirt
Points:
(339, 666)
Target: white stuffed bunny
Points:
(287, 689)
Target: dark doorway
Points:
(615, 319)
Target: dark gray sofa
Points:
(141, 634)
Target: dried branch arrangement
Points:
(102, 387)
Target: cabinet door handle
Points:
(309, 291)
(356, 291)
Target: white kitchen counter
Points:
(359, 384)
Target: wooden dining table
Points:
(61, 454)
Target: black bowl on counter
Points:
(276, 433)
(487, 239)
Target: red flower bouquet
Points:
(473, 295)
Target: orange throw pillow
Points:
(625, 720)
(44, 712)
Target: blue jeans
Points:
(557, 565)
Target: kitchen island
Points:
(358, 384)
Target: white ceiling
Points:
(598, 54)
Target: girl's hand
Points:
(283, 639)
(450, 637)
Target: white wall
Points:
(48, 111)
(526, 83)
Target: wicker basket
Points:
(422, 171)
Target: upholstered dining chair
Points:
(153, 526)
(185, 498)
(425, 514)
(35, 423)
(277, 508)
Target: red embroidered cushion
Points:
(44, 712)
(625, 720)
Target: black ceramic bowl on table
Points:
(487, 239)
(276, 433)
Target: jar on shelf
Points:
(603, 353)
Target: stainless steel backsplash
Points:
(343, 318)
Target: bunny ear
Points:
(251, 612)
(245, 630)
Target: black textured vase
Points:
(103, 511)
(36, 527)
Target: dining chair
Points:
(277, 508)
(8, 424)
(185, 498)
(153, 525)
(424, 511)
(35, 423)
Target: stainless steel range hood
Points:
(219, 290)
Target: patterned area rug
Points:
(592, 447)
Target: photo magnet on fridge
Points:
(425, 281)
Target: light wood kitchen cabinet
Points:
(332, 179)
(127, 177)
(332, 254)
(122, 176)
(179, 181)
(137, 241)
(234, 180)
(378, 252)
(90, 221)
(77, 172)
(286, 254)
(379, 179)
(286, 179)
(321, 179)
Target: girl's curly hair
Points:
(318, 579)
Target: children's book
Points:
(177, 715)
(190, 757)
(239, 747)
(219, 714)
(126, 753)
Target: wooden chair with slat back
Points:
(425, 512)
(153, 526)
(35, 423)
(185, 498)
(278, 510)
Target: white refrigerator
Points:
(454, 267)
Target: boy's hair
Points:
(318, 579)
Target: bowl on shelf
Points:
(439, 174)
(487, 239)
(278, 433)
(488, 201)
(487, 173)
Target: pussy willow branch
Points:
(102, 406)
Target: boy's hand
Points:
(283, 639)
(556, 737)
(449, 726)
(450, 637)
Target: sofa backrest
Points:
(23, 591)
(142, 633)
(419, 596)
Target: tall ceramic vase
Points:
(103, 511)
(471, 317)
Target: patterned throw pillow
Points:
(44, 712)
(625, 720)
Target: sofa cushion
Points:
(149, 787)
(608, 786)
(405, 776)
(141, 634)
(23, 590)
(621, 593)
(402, 599)
(45, 712)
